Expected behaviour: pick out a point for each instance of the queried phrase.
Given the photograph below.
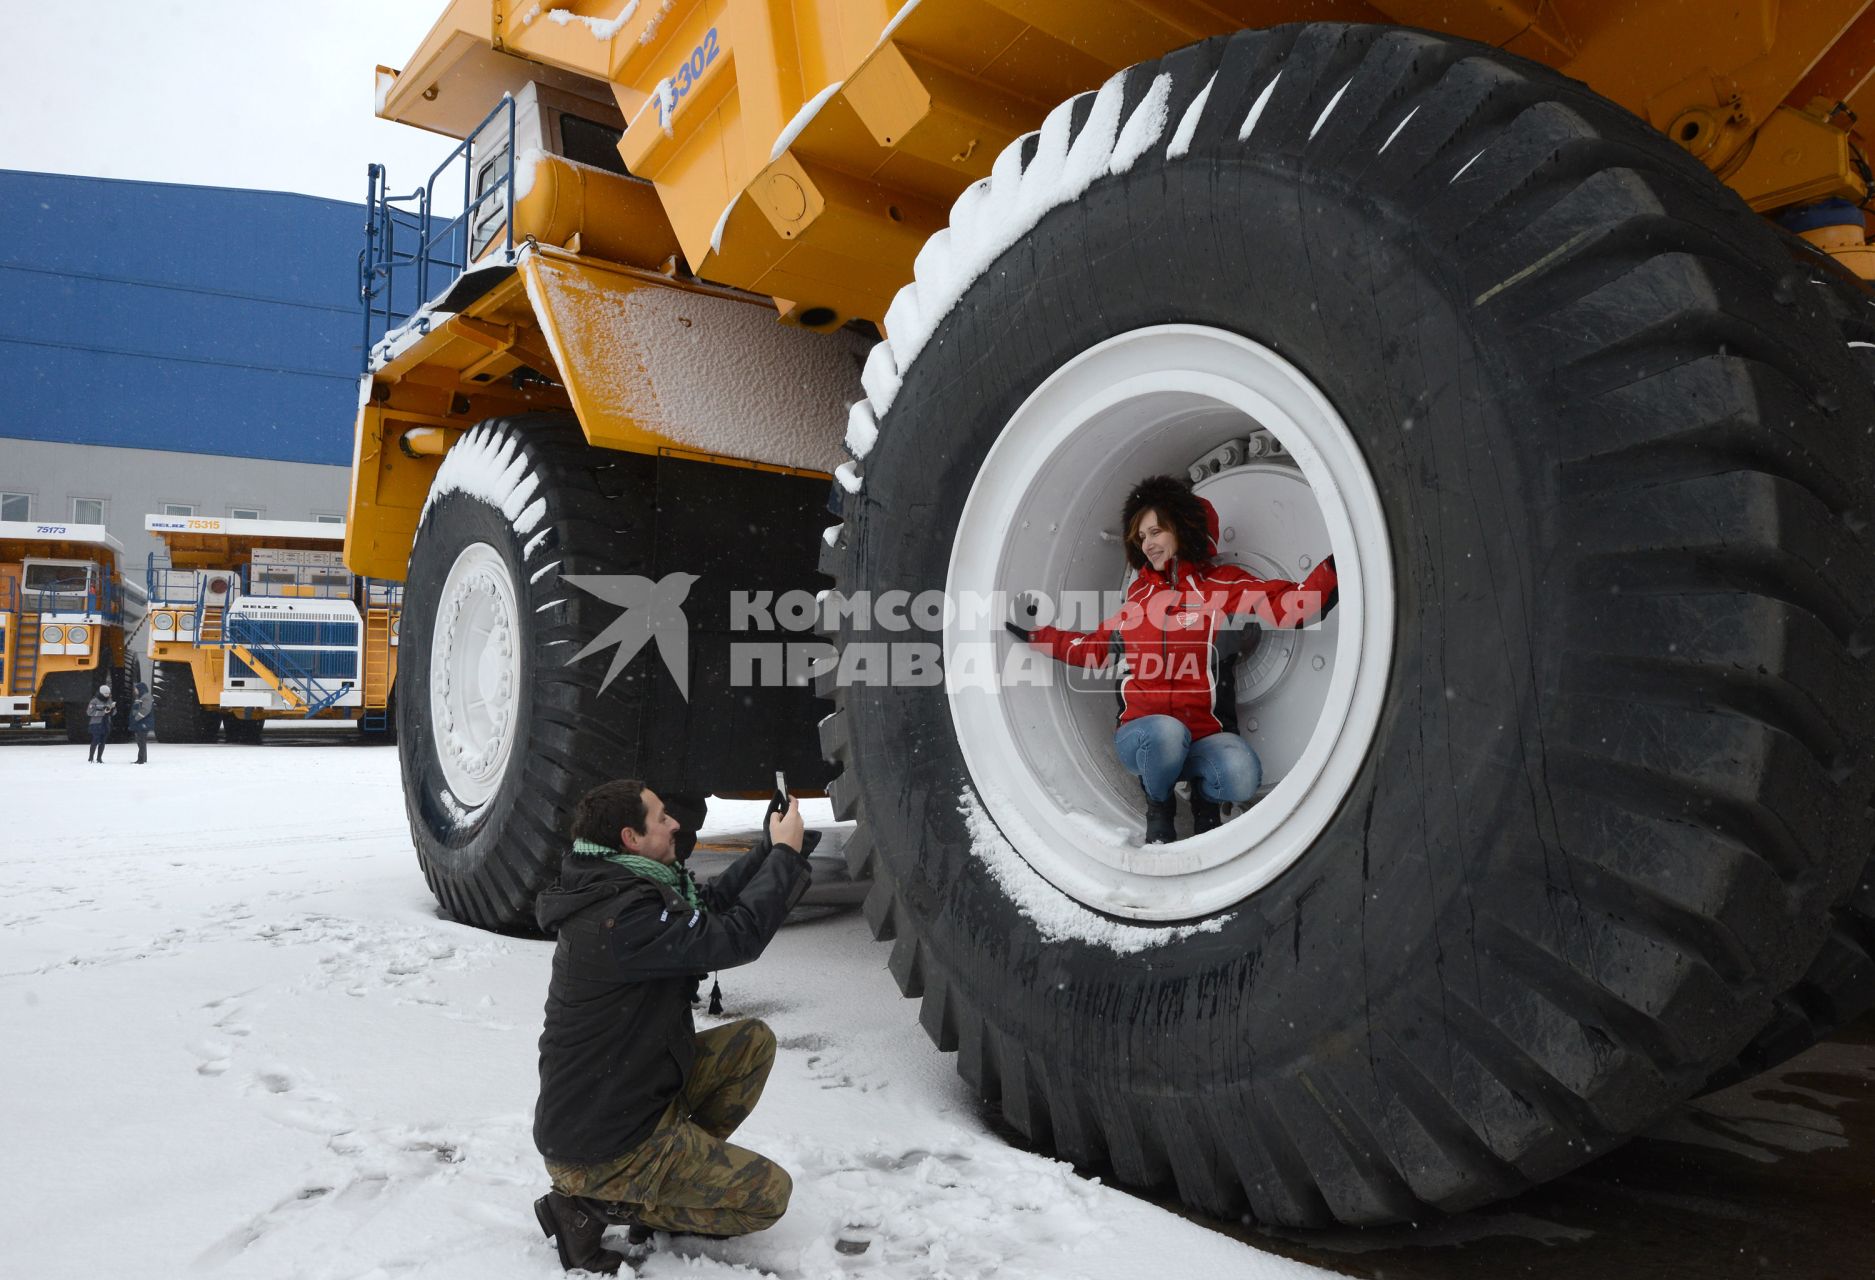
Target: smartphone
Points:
(780, 803)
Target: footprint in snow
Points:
(828, 1071)
(916, 1214)
(213, 1056)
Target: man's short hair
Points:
(609, 808)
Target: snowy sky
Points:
(233, 93)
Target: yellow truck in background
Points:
(258, 620)
(1549, 321)
(66, 622)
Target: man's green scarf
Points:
(671, 877)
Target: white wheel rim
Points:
(475, 673)
(1040, 755)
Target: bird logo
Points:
(653, 611)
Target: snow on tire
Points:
(1620, 771)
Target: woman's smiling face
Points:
(1156, 540)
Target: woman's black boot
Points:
(1161, 819)
(1206, 813)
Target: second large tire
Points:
(535, 553)
(515, 504)
(1621, 773)
(180, 715)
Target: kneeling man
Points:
(636, 1108)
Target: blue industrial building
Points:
(166, 346)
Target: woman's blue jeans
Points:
(1159, 751)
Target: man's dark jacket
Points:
(619, 1040)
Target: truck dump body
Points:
(798, 157)
(806, 152)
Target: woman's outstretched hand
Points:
(1024, 613)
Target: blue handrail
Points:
(102, 602)
(383, 593)
(446, 246)
(165, 584)
(103, 596)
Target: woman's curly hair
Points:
(1179, 507)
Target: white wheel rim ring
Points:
(475, 673)
(1086, 420)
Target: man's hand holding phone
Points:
(786, 827)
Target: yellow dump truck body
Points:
(65, 612)
(793, 158)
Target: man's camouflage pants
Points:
(687, 1177)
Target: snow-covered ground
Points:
(239, 1041)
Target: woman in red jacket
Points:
(1165, 635)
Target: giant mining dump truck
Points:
(1549, 320)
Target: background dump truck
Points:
(258, 620)
(66, 622)
(1548, 320)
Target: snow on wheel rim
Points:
(475, 673)
(1042, 515)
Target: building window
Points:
(87, 510)
(178, 509)
(324, 519)
(16, 506)
(244, 513)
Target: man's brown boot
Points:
(575, 1227)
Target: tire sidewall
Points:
(454, 850)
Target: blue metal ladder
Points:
(251, 636)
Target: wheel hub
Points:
(1290, 485)
(475, 672)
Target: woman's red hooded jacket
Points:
(1166, 633)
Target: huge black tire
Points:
(519, 506)
(77, 723)
(180, 715)
(1839, 985)
(1621, 773)
(242, 730)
